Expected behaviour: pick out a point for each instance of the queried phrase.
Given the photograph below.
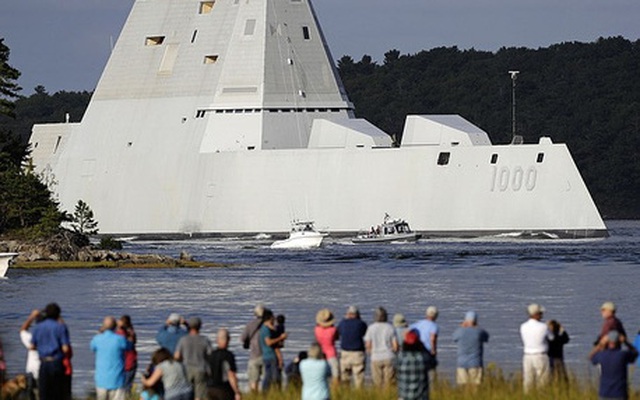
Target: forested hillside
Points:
(586, 95)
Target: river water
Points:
(497, 277)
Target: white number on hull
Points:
(515, 178)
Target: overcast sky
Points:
(64, 44)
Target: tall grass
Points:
(496, 386)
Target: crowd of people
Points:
(186, 366)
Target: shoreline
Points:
(119, 264)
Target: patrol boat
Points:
(228, 117)
(391, 230)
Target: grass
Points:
(496, 386)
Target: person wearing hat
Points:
(326, 335)
(381, 343)
(250, 339)
(613, 361)
(535, 338)
(610, 321)
(413, 368)
(170, 333)
(400, 326)
(351, 331)
(470, 340)
(192, 350)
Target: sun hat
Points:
(608, 305)
(399, 320)
(534, 309)
(325, 318)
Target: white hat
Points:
(534, 309)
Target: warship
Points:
(228, 117)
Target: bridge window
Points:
(540, 158)
(206, 7)
(494, 158)
(249, 27)
(305, 33)
(154, 40)
(211, 59)
(443, 158)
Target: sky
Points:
(65, 44)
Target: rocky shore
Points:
(68, 249)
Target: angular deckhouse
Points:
(228, 117)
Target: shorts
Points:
(254, 369)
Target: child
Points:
(280, 328)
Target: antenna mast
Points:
(514, 76)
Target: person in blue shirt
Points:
(613, 363)
(109, 348)
(271, 357)
(636, 344)
(170, 333)
(51, 339)
(315, 373)
(428, 331)
(470, 340)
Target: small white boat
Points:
(5, 261)
(391, 230)
(303, 235)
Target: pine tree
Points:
(82, 221)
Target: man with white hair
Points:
(351, 331)
(170, 333)
(428, 331)
(250, 339)
(535, 338)
(109, 348)
(223, 381)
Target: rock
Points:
(184, 256)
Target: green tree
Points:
(82, 220)
(27, 208)
(8, 76)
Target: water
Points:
(497, 277)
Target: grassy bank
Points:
(114, 264)
(496, 386)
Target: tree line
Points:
(586, 95)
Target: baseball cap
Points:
(535, 308)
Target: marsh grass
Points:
(496, 386)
